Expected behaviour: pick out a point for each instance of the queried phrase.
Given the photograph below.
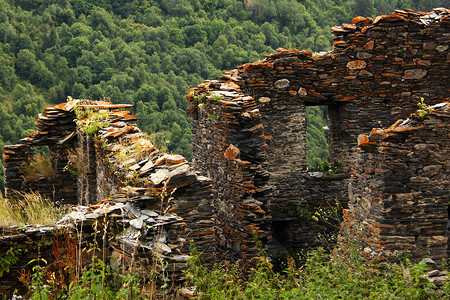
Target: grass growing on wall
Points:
(28, 208)
(39, 167)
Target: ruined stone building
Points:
(249, 137)
(249, 173)
(147, 204)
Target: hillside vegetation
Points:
(149, 52)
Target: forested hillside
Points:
(149, 52)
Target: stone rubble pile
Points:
(147, 236)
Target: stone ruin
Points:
(141, 205)
(249, 137)
(249, 173)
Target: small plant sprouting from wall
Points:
(125, 153)
(424, 109)
(77, 162)
(328, 214)
(327, 168)
(203, 102)
(89, 120)
(7, 260)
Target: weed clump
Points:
(39, 167)
(28, 208)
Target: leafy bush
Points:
(323, 276)
(90, 121)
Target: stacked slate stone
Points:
(130, 168)
(377, 72)
(158, 203)
(156, 181)
(229, 147)
(56, 129)
(55, 126)
(15, 158)
(400, 187)
(140, 241)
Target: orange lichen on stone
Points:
(232, 152)
(362, 21)
(381, 132)
(363, 140)
(267, 64)
(189, 97)
(404, 129)
(61, 106)
(393, 126)
(356, 65)
(349, 26)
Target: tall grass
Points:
(28, 208)
(39, 167)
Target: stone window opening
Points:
(40, 165)
(317, 146)
(323, 147)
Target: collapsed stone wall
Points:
(376, 73)
(249, 137)
(399, 190)
(150, 204)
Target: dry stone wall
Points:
(229, 147)
(399, 191)
(377, 72)
(146, 204)
(249, 139)
(56, 130)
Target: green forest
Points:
(150, 52)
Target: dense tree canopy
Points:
(149, 52)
